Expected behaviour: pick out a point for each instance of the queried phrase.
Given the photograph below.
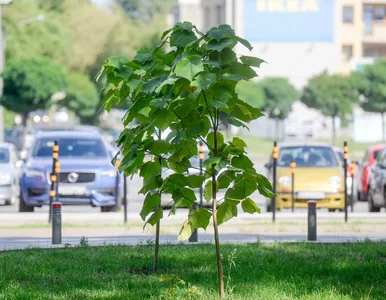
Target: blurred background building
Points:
(299, 39)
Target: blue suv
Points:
(86, 173)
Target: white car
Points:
(9, 174)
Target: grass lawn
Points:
(261, 271)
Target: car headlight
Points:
(109, 173)
(285, 181)
(34, 173)
(5, 177)
(335, 180)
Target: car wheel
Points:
(23, 207)
(107, 208)
(370, 202)
(331, 210)
(8, 202)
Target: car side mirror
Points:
(268, 165)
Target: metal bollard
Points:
(56, 223)
(311, 220)
(194, 237)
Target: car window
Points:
(71, 147)
(307, 156)
(4, 155)
(375, 154)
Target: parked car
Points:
(318, 176)
(14, 135)
(9, 178)
(377, 183)
(364, 170)
(87, 175)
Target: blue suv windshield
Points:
(70, 147)
(4, 155)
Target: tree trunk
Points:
(215, 225)
(383, 127)
(24, 124)
(157, 228)
(333, 130)
(156, 246)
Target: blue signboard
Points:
(289, 20)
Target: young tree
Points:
(82, 98)
(30, 83)
(279, 94)
(371, 84)
(333, 95)
(185, 90)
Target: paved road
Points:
(23, 243)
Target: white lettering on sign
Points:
(287, 5)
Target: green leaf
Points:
(124, 73)
(184, 26)
(208, 190)
(220, 45)
(242, 162)
(117, 61)
(186, 231)
(220, 32)
(175, 182)
(150, 203)
(226, 211)
(264, 186)
(194, 181)
(227, 56)
(150, 169)
(243, 113)
(242, 70)
(153, 183)
(199, 218)
(189, 66)
(239, 143)
(189, 196)
(219, 139)
(225, 179)
(158, 147)
(143, 55)
(168, 81)
(217, 104)
(252, 61)
(182, 38)
(203, 80)
(244, 42)
(151, 85)
(155, 217)
(211, 161)
(165, 33)
(249, 206)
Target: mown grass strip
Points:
(260, 271)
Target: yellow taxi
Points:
(318, 175)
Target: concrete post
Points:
(56, 223)
(312, 220)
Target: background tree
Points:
(80, 34)
(185, 90)
(371, 84)
(82, 98)
(333, 95)
(30, 83)
(278, 96)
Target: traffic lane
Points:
(135, 205)
(27, 242)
